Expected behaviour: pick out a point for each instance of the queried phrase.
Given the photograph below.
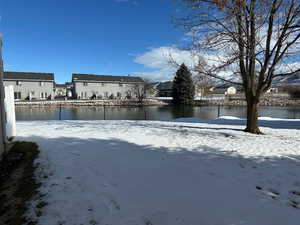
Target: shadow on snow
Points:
(190, 182)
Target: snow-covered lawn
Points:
(183, 172)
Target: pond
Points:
(150, 112)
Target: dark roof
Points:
(152, 85)
(61, 85)
(28, 76)
(218, 91)
(168, 85)
(105, 78)
(226, 85)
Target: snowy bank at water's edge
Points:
(263, 122)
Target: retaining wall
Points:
(86, 103)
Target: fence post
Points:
(60, 111)
(9, 104)
(219, 110)
(104, 111)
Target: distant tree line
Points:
(293, 91)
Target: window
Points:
(85, 84)
(85, 95)
(42, 83)
(81, 94)
(18, 83)
(17, 95)
(119, 95)
(106, 94)
(46, 95)
(42, 95)
(120, 85)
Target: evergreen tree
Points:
(183, 87)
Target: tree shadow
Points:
(169, 125)
(275, 123)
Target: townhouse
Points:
(29, 85)
(86, 86)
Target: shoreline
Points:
(279, 102)
(282, 102)
(78, 103)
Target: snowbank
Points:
(187, 172)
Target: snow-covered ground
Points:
(183, 172)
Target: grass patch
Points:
(17, 182)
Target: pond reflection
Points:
(150, 112)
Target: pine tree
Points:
(183, 86)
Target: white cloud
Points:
(287, 67)
(158, 59)
(157, 75)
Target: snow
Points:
(79, 101)
(182, 172)
(216, 98)
(164, 98)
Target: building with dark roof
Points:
(106, 78)
(87, 86)
(165, 89)
(60, 90)
(28, 85)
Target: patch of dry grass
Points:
(17, 182)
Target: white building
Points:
(231, 91)
(223, 90)
(60, 90)
(29, 85)
(87, 86)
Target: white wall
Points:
(231, 91)
(9, 104)
(2, 112)
(35, 87)
(101, 88)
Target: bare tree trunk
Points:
(252, 115)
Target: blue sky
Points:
(116, 37)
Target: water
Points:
(150, 112)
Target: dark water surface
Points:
(150, 112)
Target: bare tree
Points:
(139, 92)
(251, 42)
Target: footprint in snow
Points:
(294, 204)
(270, 192)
